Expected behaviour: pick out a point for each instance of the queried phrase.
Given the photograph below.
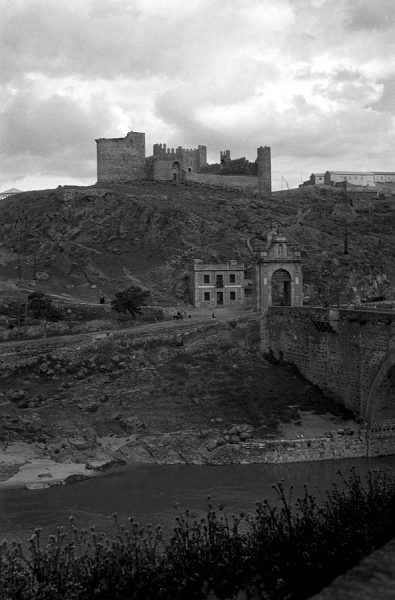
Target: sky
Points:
(312, 79)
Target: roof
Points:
(351, 172)
(11, 191)
(383, 172)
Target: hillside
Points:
(148, 233)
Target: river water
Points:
(149, 493)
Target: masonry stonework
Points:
(213, 285)
(121, 159)
(349, 353)
(264, 169)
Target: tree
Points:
(130, 300)
(40, 305)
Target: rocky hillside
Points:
(88, 241)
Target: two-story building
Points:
(214, 285)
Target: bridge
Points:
(349, 353)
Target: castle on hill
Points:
(123, 160)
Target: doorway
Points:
(220, 298)
(176, 170)
(281, 288)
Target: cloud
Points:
(52, 135)
(386, 103)
(311, 78)
(368, 15)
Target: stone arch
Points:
(176, 170)
(376, 408)
(281, 288)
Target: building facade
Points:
(213, 285)
(360, 178)
(121, 159)
(384, 177)
(278, 279)
(175, 164)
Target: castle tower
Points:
(224, 158)
(264, 170)
(121, 159)
(202, 151)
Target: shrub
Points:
(283, 552)
(130, 300)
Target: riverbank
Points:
(200, 394)
(312, 437)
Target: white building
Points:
(361, 178)
(10, 192)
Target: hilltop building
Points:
(315, 179)
(170, 163)
(353, 180)
(364, 178)
(123, 160)
(9, 192)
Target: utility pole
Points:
(19, 253)
(34, 263)
(19, 314)
(25, 320)
(345, 250)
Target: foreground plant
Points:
(286, 551)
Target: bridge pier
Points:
(380, 439)
(347, 352)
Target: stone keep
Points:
(279, 279)
(121, 159)
(264, 170)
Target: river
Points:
(149, 492)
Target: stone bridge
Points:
(349, 353)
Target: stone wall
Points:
(337, 446)
(242, 182)
(341, 351)
(264, 170)
(121, 159)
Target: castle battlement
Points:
(164, 152)
(124, 160)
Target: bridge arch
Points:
(381, 399)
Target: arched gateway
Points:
(278, 274)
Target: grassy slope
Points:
(150, 233)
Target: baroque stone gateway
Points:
(123, 160)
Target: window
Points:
(206, 296)
(232, 296)
(206, 278)
(280, 249)
(220, 281)
(232, 278)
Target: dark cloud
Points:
(303, 76)
(370, 14)
(53, 135)
(387, 100)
